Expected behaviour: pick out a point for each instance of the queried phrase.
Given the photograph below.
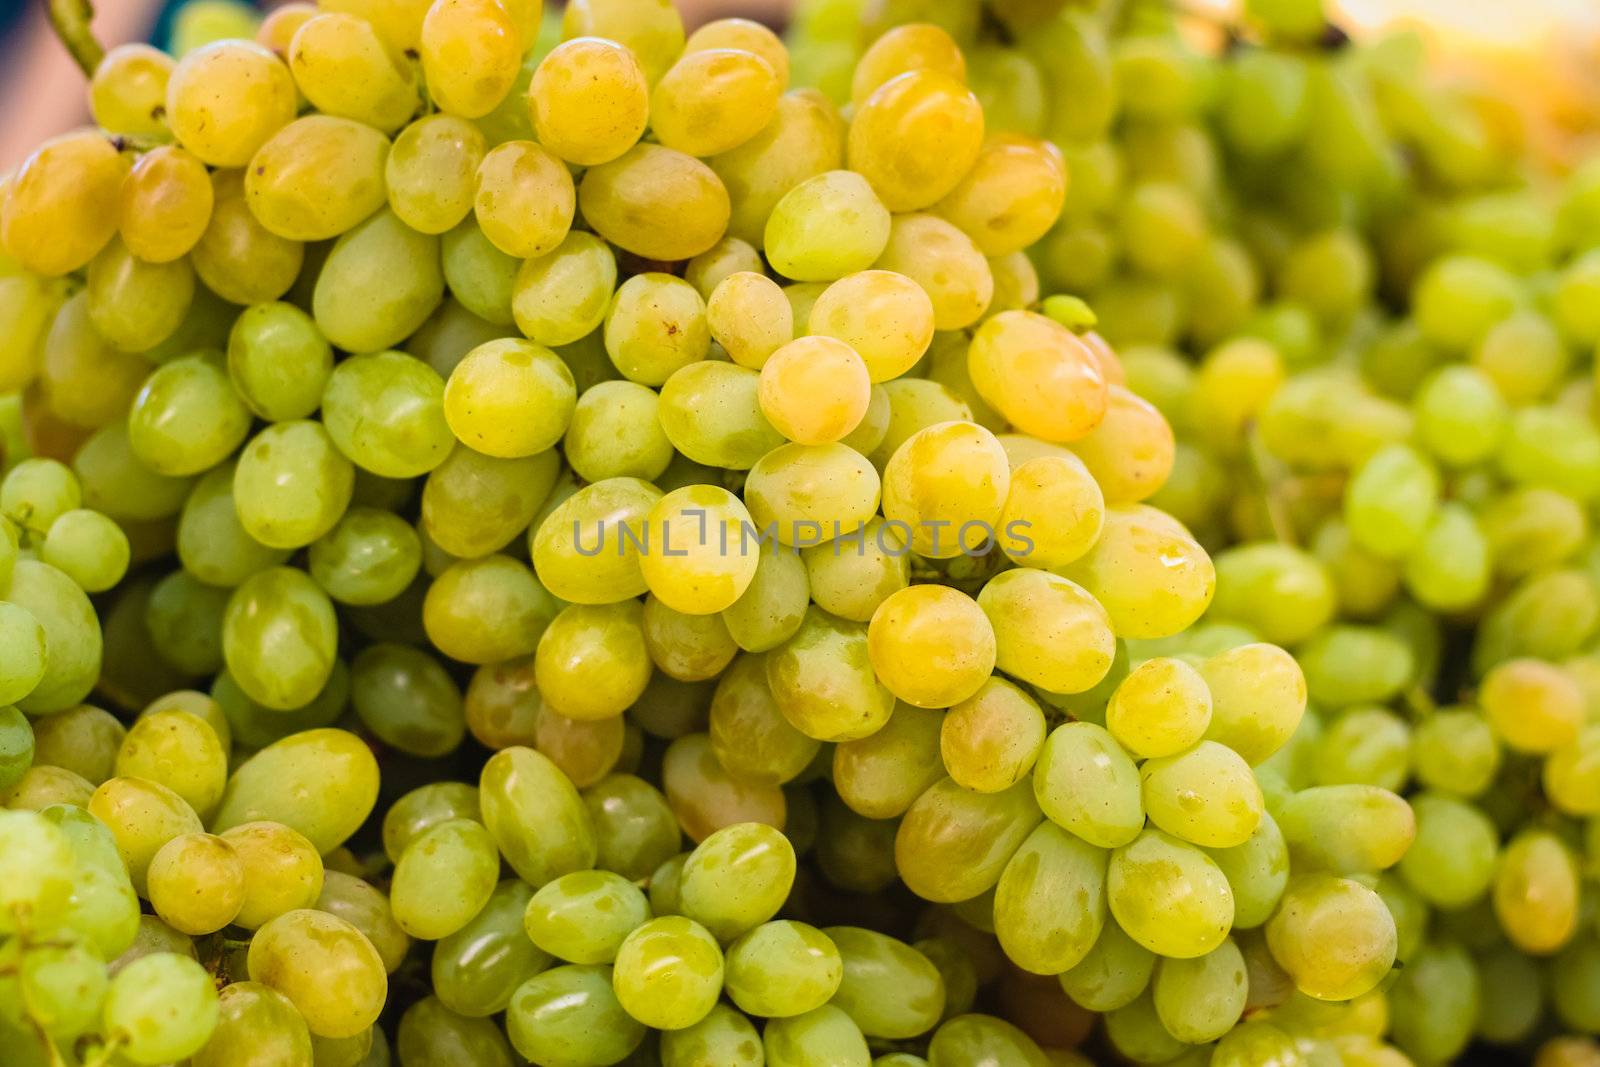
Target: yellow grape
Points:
(915, 46)
(807, 494)
(651, 29)
(471, 55)
(524, 201)
(317, 177)
(885, 317)
(1049, 632)
(589, 100)
(1039, 375)
(948, 483)
(1012, 195)
(225, 99)
(915, 138)
(728, 256)
(749, 316)
(826, 227)
(562, 296)
(133, 304)
(701, 549)
(931, 646)
(238, 258)
(711, 101)
(1150, 573)
(746, 35)
(166, 204)
(655, 202)
(398, 21)
(814, 390)
(283, 22)
(944, 261)
(1132, 451)
(510, 398)
(60, 207)
(128, 90)
(346, 69)
(431, 172)
(1053, 512)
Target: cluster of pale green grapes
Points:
(1373, 324)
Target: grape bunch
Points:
(1370, 319)
(592, 543)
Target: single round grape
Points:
(1334, 936)
(160, 1008)
(317, 177)
(344, 66)
(322, 783)
(563, 296)
(931, 646)
(61, 205)
(915, 137)
(570, 1017)
(713, 99)
(1048, 631)
(471, 52)
(826, 227)
(668, 973)
(1169, 896)
(196, 883)
(187, 417)
(589, 100)
(325, 966)
(737, 878)
(584, 916)
(224, 100)
(655, 202)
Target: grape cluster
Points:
(628, 564)
(1373, 326)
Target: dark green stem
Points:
(71, 19)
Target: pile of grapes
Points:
(994, 534)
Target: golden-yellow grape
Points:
(471, 53)
(1012, 195)
(814, 390)
(942, 259)
(589, 100)
(166, 204)
(886, 317)
(1131, 452)
(711, 101)
(1039, 375)
(61, 206)
(524, 201)
(317, 177)
(225, 99)
(651, 29)
(655, 202)
(948, 483)
(915, 138)
(1053, 512)
(431, 172)
(747, 35)
(398, 21)
(346, 69)
(914, 46)
(931, 645)
(749, 316)
(128, 90)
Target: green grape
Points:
(279, 637)
(710, 413)
(366, 908)
(256, 1027)
(160, 1008)
(1573, 983)
(136, 305)
(17, 746)
(782, 969)
(1437, 998)
(486, 610)
(184, 619)
(213, 543)
(424, 807)
(1169, 896)
(474, 504)
(823, 1035)
(407, 699)
(1511, 1002)
(1049, 906)
(291, 484)
(1256, 1042)
(480, 276)
(723, 1037)
(1461, 416)
(852, 574)
(536, 817)
(1199, 1000)
(35, 492)
(384, 412)
(812, 691)
(592, 661)
(772, 607)
(737, 878)
(714, 99)
(1347, 665)
(879, 776)
(1258, 697)
(496, 391)
(443, 878)
(24, 656)
(706, 798)
(362, 303)
(1369, 746)
(321, 783)
(1112, 974)
(634, 828)
(1087, 784)
(1160, 709)
(432, 1034)
(238, 258)
(476, 969)
(1333, 936)
(325, 966)
(749, 733)
(1390, 501)
(1282, 593)
(587, 550)
(584, 916)
(826, 227)
(668, 973)
(570, 1017)
(953, 844)
(1455, 751)
(1532, 706)
(254, 724)
(1049, 631)
(1347, 829)
(976, 1038)
(369, 557)
(83, 739)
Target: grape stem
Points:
(70, 19)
